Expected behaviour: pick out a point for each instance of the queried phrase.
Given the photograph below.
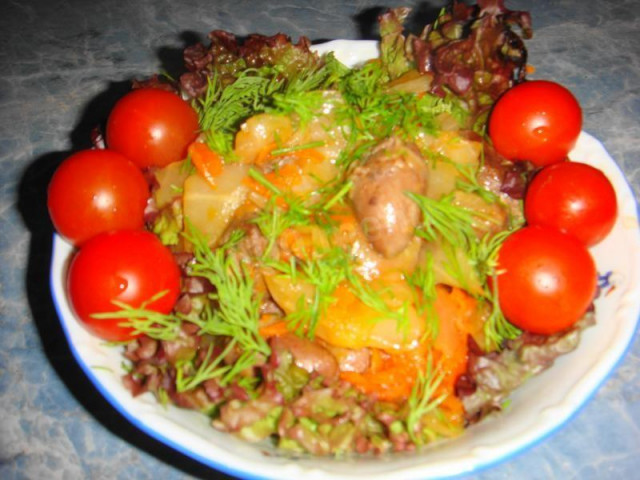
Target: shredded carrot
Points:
(256, 187)
(392, 375)
(376, 360)
(207, 162)
(273, 329)
(459, 318)
(263, 191)
(307, 156)
(247, 209)
(530, 69)
(264, 154)
(345, 219)
(287, 176)
(303, 157)
(296, 241)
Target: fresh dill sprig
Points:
(294, 204)
(423, 282)
(373, 112)
(496, 327)
(374, 299)
(422, 399)
(237, 308)
(304, 91)
(207, 370)
(255, 90)
(213, 368)
(442, 217)
(336, 196)
(285, 210)
(273, 219)
(223, 108)
(237, 311)
(154, 324)
(305, 104)
(324, 272)
(315, 75)
(187, 167)
(361, 86)
(454, 225)
(454, 265)
(483, 255)
(359, 146)
(474, 187)
(469, 182)
(370, 112)
(305, 146)
(429, 107)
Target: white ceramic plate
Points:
(537, 409)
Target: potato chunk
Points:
(211, 209)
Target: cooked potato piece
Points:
(451, 266)
(489, 217)
(170, 181)
(449, 151)
(285, 292)
(211, 209)
(260, 134)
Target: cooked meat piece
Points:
(308, 355)
(349, 359)
(387, 216)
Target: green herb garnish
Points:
(422, 401)
(236, 309)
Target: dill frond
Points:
(237, 308)
(223, 108)
(374, 299)
(422, 400)
(324, 272)
(423, 282)
(154, 324)
(442, 217)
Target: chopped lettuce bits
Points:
(262, 428)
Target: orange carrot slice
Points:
(207, 162)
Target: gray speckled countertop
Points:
(63, 63)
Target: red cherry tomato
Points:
(152, 127)
(130, 266)
(538, 121)
(548, 280)
(575, 198)
(94, 191)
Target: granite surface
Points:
(63, 64)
